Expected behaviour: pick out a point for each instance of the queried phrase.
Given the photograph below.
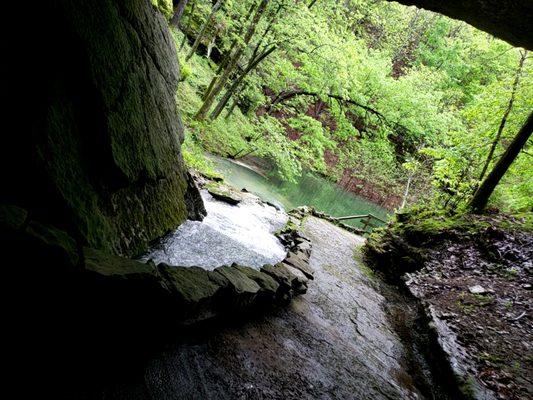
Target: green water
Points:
(310, 190)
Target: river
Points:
(310, 189)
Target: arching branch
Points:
(287, 95)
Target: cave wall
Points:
(93, 138)
(510, 20)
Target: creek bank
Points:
(472, 276)
(98, 313)
(309, 189)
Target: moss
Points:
(223, 192)
(117, 267)
(468, 387)
(363, 267)
(165, 7)
(106, 148)
(12, 217)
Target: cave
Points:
(92, 170)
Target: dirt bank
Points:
(473, 274)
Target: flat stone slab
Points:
(240, 282)
(300, 261)
(224, 193)
(117, 267)
(265, 281)
(334, 342)
(289, 278)
(192, 284)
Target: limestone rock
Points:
(300, 261)
(477, 289)
(299, 285)
(305, 247)
(193, 285)
(509, 20)
(12, 217)
(238, 280)
(102, 144)
(289, 280)
(223, 193)
(265, 282)
(242, 290)
(116, 267)
(196, 291)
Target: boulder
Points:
(290, 281)
(268, 286)
(299, 285)
(243, 290)
(116, 267)
(305, 247)
(223, 193)
(300, 261)
(102, 147)
(239, 281)
(195, 291)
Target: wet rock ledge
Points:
(192, 294)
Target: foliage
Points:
(393, 96)
(164, 6)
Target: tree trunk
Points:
(406, 193)
(483, 193)
(184, 29)
(231, 109)
(226, 59)
(505, 116)
(204, 28)
(179, 7)
(266, 32)
(234, 59)
(233, 88)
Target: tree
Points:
(233, 88)
(203, 30)
(179, 7)
(523, 56)
(483, 193)
(232, 62)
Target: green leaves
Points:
(426, 96)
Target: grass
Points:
(359, 259)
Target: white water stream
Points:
(229, 234)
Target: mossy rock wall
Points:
(95, 141)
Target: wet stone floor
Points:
(334, 342)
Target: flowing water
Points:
(241, 234)
(310, 189)
(343, 339)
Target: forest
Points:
(402, 103)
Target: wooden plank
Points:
(352, 217)
(360, 217)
